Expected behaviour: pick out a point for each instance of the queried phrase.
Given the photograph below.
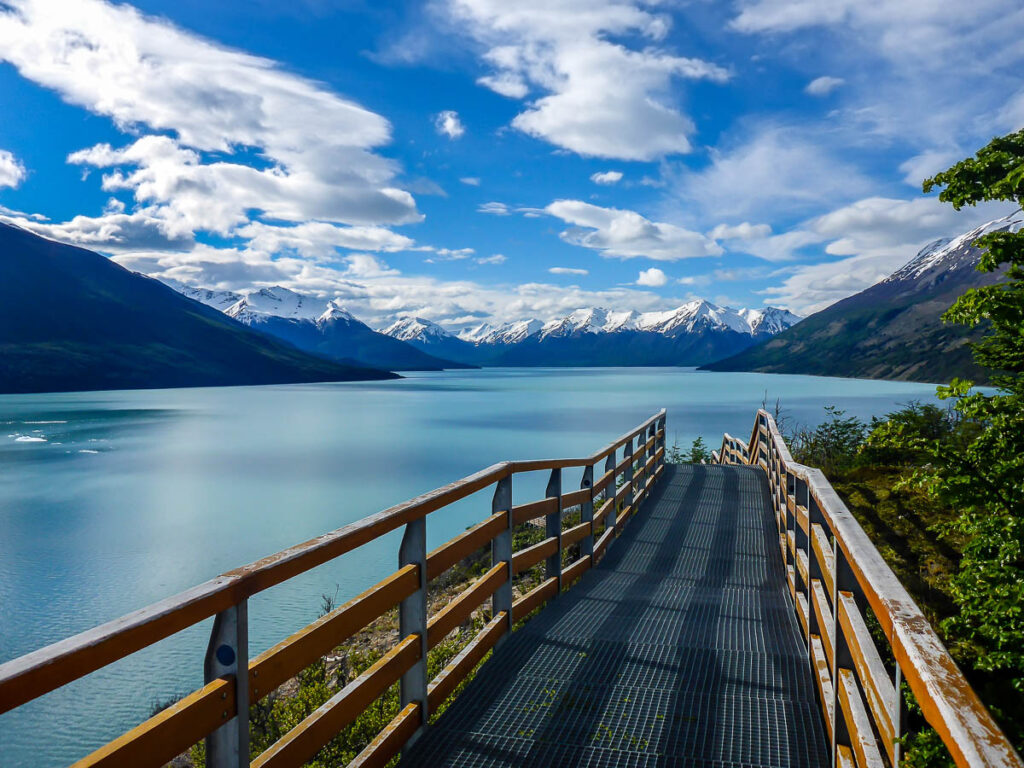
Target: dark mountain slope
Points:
(71, 319)
(892, 330)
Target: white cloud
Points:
(448, 254)
(824, 85)
(744, 231)
(498, 258)
(771, 171)
(222, 136)
(607, 177)
(448, 124)
(652, 278)
(568, 271)
(602, 98)
(495, 209)
(12, 172)
(927, 164)
(626, 234)
(471, 181)
(874, 237)
(930, 74)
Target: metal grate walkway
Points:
(681, 648)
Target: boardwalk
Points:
(680, 648)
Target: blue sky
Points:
(465, 160)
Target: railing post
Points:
(897, 717)
(553, 526)
(844, 580)
(587, 513)
(660, 442)
(412, 618)
(501, 552)
(612, 516)
(226, 654)
(627, 452)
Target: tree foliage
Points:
(978, 467)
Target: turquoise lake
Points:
(113, 500)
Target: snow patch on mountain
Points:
(949, 254)
(219, 300)
(416, 329)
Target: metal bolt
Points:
(224, 695)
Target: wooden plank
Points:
(171, 731)
(801, 518)
(462, 607)
(303, 741)
(791, 580)
(844, 757)
(389, 742)
(577, 533)
(534, 598)
(529, 557)
(823, 678)
(823, 615)
(791, 542)
(802, 565)
(602, 542)
(604, 509)
(878, 688)
(465, 544)
(526, 512)
(442, 686)
(605, 480)
(286, 659)
(862, 738)
(802, 612)
(575, 498)
(575, 569)
(823, 554)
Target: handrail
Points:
(823, 545)
(225, 596)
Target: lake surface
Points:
(112, 500)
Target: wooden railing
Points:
(835, 574)
(219, 710)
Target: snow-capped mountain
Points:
(952, 254)
(894, 329)
(507, 333)
(220, 300)
(321, 326)
(409, 328)
(276, 302)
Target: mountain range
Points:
(318, 326)
(694, 333)
(71, 319)
(892, 330)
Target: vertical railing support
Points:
(611, 518)
(226, 654)
(553, 526)
(627, 453)
(660, 442)
(897, 717)
(501, 551)
(412, 618)
(587, 513)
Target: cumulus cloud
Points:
(626, 234)
(12, 172)
(607, 177)
(448, 124)
(223, 138)
(824, 85)
(744, 231)
(602, 97)
(652, 278)
(568, 271)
